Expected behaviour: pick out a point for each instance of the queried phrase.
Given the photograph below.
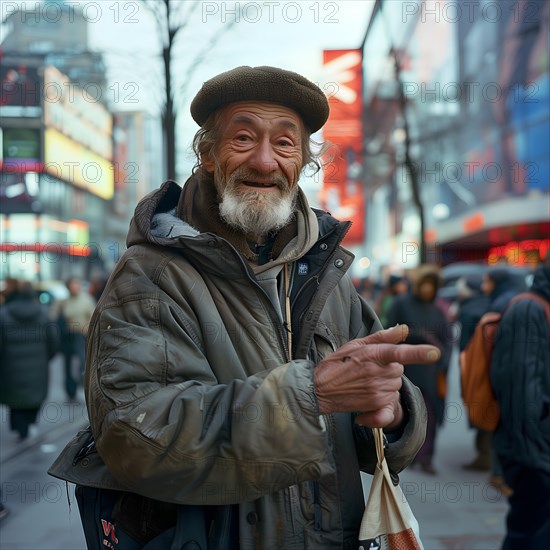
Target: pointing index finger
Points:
(408, 354)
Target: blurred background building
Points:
(465, 88)
(441, 116)
(72, 167)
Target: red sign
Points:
(520, 252)
(343, 192)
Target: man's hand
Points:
(364, 376)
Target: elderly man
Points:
(232, 366)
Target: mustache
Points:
(250, 174)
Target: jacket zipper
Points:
(272, 313)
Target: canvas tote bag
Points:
(388, 522)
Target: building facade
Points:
(463, 88)
(69, 176)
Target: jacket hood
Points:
(506, 281)
(159, 201)
(541, 282)
(426, 273)
(24, 310)
(188, 219)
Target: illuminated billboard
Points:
(67, 160)
(20, 150)
(342, 191)
(19, 86)
(77, 114)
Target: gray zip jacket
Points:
(194, 398)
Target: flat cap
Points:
(262, 84)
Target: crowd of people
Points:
(516, 454)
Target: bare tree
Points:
(410, 165)
(172, 17)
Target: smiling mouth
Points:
(259, 184)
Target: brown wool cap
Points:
(262, 84)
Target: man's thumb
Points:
(392, 335)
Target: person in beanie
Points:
(232, 367)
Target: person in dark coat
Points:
(520, 376)
(471, 307)
(427, 325)
(473, 303)
(500, 284)
(396, 285)
(28, 340)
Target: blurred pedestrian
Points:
(500, 284)
(366, 289)
(520, 377)
(97, 285)
(427, 325)
(395, 286)
(73, 317)
(28, 340)
(472, 304)
(9, 292)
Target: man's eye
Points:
(243, 138)
(285, 143)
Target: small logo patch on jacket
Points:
(303, 268)
(109, 531)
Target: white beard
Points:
(254, 212)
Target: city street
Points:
(456, 509)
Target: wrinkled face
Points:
(256, 165)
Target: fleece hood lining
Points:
(167, 225)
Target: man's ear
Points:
(207, 162)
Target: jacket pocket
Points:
(324, 342)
